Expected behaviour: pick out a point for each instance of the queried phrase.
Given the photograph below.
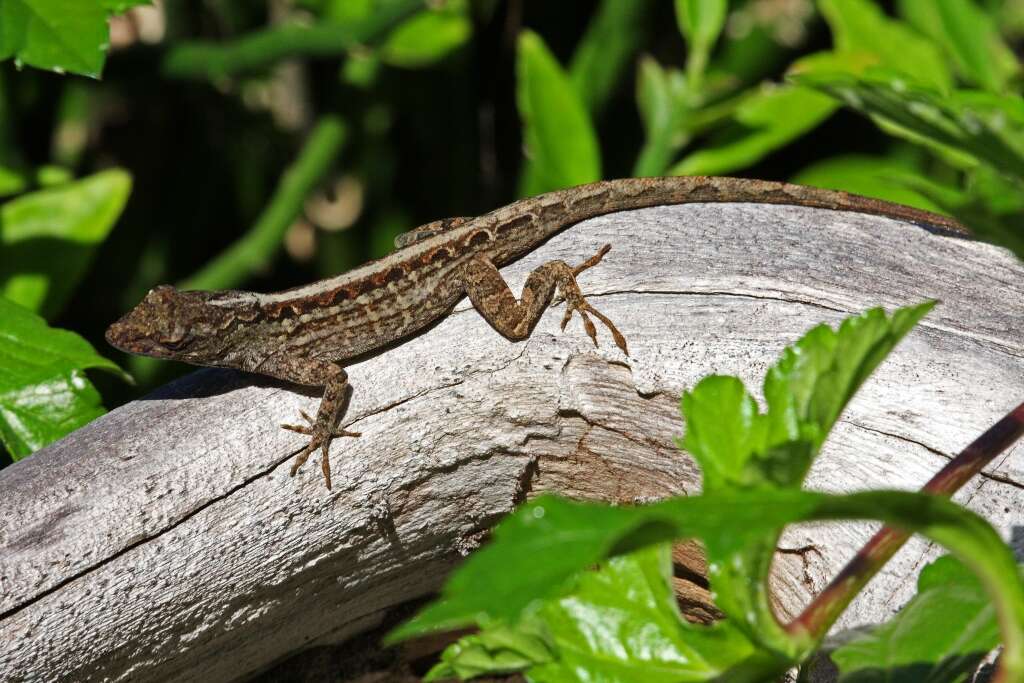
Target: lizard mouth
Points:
(125, 336)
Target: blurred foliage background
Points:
(265, 144)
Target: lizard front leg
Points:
(515, 319)
(321, 430)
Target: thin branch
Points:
(814, 622)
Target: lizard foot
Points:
(318, 439)
(576, 303)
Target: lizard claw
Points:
(593, 260)
(584, 308)
(318, 440)
(308, 431)
(576, 303)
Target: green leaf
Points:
(882, 177)
(812, 382)
(122, 6)
(59, 35)
(51, 175)
(618, 622)
(537, 551)
(345, 11)
(661, 98)
(507, 589)
(426, 38)
(764, 122)
(724, 429)
(360, 69)
(11, 181)
(498, 649)
(806, 390)
(938, 637)
(700, 22)
(854, 63)
(557, 129)
(966, 127)
(604, 51)
(47, 238)
(969, 36)
(861, 26)
(44, 393)
(622, 623)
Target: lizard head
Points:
(172, 324)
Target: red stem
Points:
(822, 612)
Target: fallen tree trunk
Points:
(166, 541)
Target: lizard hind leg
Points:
(515, 319)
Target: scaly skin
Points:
(304, 335)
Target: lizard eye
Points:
(176, 339)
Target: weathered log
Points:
(166, 541)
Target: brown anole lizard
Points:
(306, 334)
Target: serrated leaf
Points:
(557, 128)
(861, 26)
(501, 580)
(724, 429)
(57, 35)
(805, 391)
(48, 238)
(812, 382)
(425, 38)
(44, 393)
(969, 36)
(619, 622)
(764, 122)
(938, 637)
(499, 649)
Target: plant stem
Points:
(260, 49)
(814, 622)
(262, 241)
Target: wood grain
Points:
(166, 541)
